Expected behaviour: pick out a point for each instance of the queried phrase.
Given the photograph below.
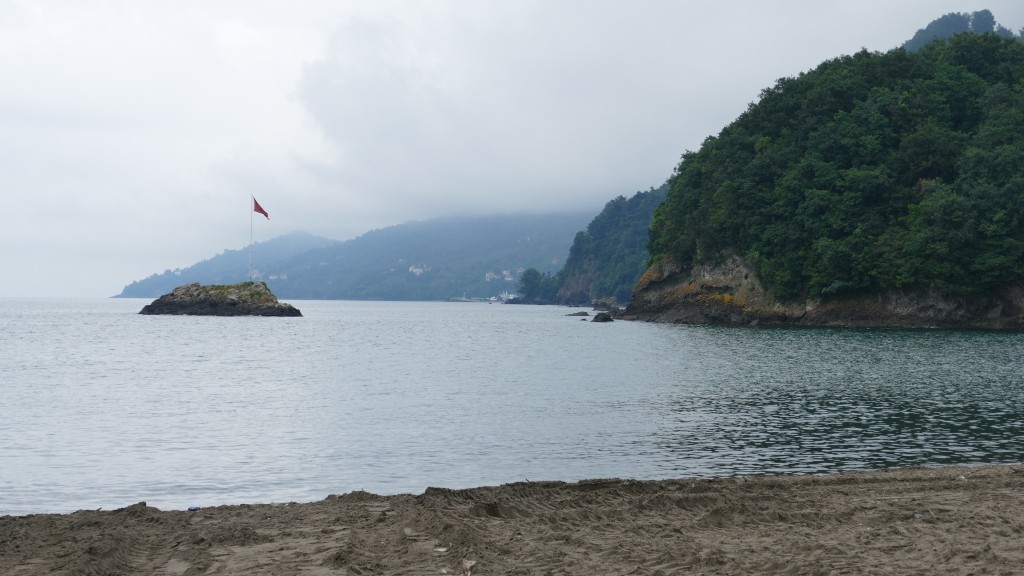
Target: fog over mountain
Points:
(136, 133)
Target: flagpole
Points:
(251, 200)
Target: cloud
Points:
(133, 133)
(531, 107)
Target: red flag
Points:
(257, 208)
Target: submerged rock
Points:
(242, 299)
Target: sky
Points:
(134, 133)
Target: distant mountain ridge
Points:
(434, 259)
(228, 267)
(431, 260)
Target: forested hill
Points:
(431, 260)
(227, 267)
(435, 259)
(607, 258)
(871, 172)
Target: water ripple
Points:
(104, 408)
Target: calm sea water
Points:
(102, 407)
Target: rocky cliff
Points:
(729, 293)
(242, 299)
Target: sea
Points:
(101, 407)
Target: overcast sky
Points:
(132, 133)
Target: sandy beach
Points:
(951, 520)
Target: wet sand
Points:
(911, 521)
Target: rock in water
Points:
(242, 299)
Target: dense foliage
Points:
(871, 172)
(536, 287)
(981, 22)
(608, 258)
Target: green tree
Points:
(871, 172)
(537, 287)
(944, 27)
(608, 258)
(983, 22)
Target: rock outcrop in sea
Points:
(729, 293)
(242, 299)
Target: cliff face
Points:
(730, 294)
(242, 299)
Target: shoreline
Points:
(956, 519)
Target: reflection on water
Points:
(820, 400)
(104, 407)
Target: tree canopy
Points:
(608, 258)
(981, 22)
(871, 172)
